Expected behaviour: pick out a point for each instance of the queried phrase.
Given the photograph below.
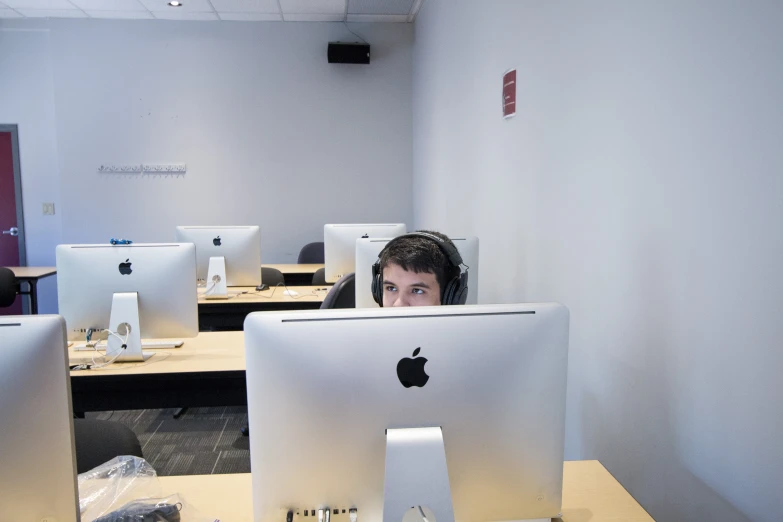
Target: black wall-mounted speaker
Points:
(340, 52)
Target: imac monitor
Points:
(491, 378)
(239, 246)
(38, 480)
(148, 287)
(368, 250)
(340, 245)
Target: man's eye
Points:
(418, 291)
(390, 288)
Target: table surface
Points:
(296, 268)
(32, 272)
(277, 294)
(590, 494)
(208, 352)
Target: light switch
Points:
(48, 209)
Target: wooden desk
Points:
(208, 370)
(31, 275)
(229, 314)
(590, 494)
(297, 274)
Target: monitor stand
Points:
(216, 279)
(124, 320)
(417, 475)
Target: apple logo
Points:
(411, 371)
(125, 268)
(365, 236)
(216, 241)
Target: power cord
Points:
(94, 346)
(356, 35)
(312, 293)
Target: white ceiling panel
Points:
(121, 15)
(251, 17)
(172, 14)
(396, 11)
(39, 4)
(333, 7)
(190, 6)
(109, 5)
(380, 7)
(9, 13)
(53, 13)
(246, 6)
(313, 17)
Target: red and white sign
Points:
(510, 93)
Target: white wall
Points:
(640, 184)
(27, 100)
(272, 134)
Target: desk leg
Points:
(33, 285)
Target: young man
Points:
(415, 271)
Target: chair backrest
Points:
(8, 287)
(312, 253)
(342, 294)
(319, 277)
(271, 276)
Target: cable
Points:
(356, 35)
(123, 346)
(274, 289)
(423, 516)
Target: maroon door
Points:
(9, 242)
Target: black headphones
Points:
(456, 290)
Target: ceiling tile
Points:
(190, 6)
(39, 4)
(251, 17)
(121, 15)
(109, 5)
(383, 7)
(53, 13)
(8, 13)
(321, 7)
(246, 6)
(377, 18)
(313, 17)
(174, 14)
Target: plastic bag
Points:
(126, 489)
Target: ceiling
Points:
(402, 11)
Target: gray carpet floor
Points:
(202, 441)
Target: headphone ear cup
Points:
(462, 297)
(376, 287)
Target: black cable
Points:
(356, 35)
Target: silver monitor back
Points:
(323, 388)
(340, 245)
(163, 275)
(38, 463)
(368, 250)
(240, 246)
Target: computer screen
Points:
(325, 386)
(240, 246)
(38, 479)
(161, 275)
(340, 245)
(368, 250)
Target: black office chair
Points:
(342, 294)
(99, 441)
(312, 253)
(319, 277)
(271, 276)
(9, 287)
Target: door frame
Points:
(14, 130)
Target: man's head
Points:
(415, 271)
